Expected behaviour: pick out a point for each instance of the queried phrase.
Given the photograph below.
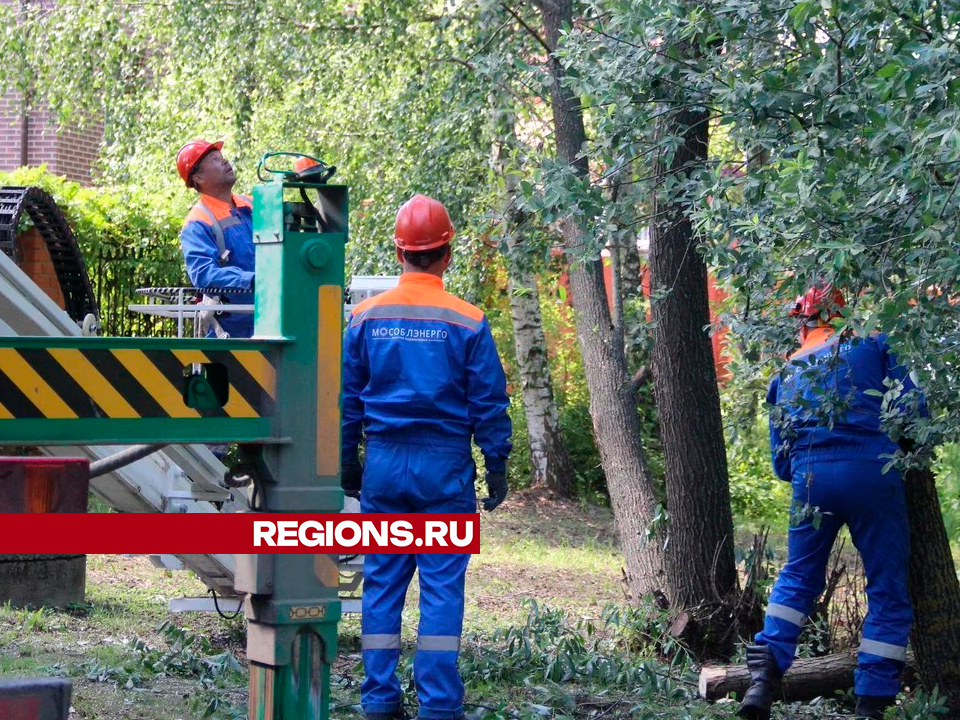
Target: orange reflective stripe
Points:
(419, 293)
(197, 214)
(329, 362)
(383, 311)
(817, 339)
(221, 209)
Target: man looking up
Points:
(217, 235)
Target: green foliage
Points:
(564, 664)
(30, 620)
(922, 705)
(947, 469)
(550, 647)
(129, 237)
(402, 97)
(857, 117)
(834, 152)
(126, 217)
(758, 496)
(186, 655)
(366, 86)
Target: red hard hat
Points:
(302, 163)
(189, 156)
(422, 224)
(817, 299)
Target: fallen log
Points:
(807, 678)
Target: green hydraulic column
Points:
(291, 603)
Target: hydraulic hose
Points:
(122, 458)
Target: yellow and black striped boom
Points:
(71, 390)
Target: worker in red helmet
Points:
(421, 377)
(818, 304)
(827, 439)
(217, 235)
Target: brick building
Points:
(34, 138)
(35, 261)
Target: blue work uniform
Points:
(421, 376)
(206, 267)
(826, 439)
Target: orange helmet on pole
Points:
(190, 155)
(816, 300)
(302, 163)
(422, 224)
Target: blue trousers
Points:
(871, 504)
(418, 479)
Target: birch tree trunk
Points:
(552, 466)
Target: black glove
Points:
(908, 445)
(497, 487)
(351, 478)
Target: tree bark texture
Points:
(700, 561)
(616, 423)
(552, 466)
(934, 590)
(807, 678)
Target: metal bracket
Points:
(176, 501)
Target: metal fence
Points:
(116, 272)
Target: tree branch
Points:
(533, 33)
(641, 377)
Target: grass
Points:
(562, 656)
(573, 565)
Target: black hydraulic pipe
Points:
(122, 458)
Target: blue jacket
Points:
(420, 366)
(200, 253)
(820, 405)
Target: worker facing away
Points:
(826, 439)
(217, 236)
(421, 376)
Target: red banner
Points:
(230, 533)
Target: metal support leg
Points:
(292, 612)
(300, 689)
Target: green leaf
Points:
(889, 70)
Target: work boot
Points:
(871, 707)
(764, 686)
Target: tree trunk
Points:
(552, 466)
(934, 590)
(807, 678)
(701, 568)
(613, 409)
